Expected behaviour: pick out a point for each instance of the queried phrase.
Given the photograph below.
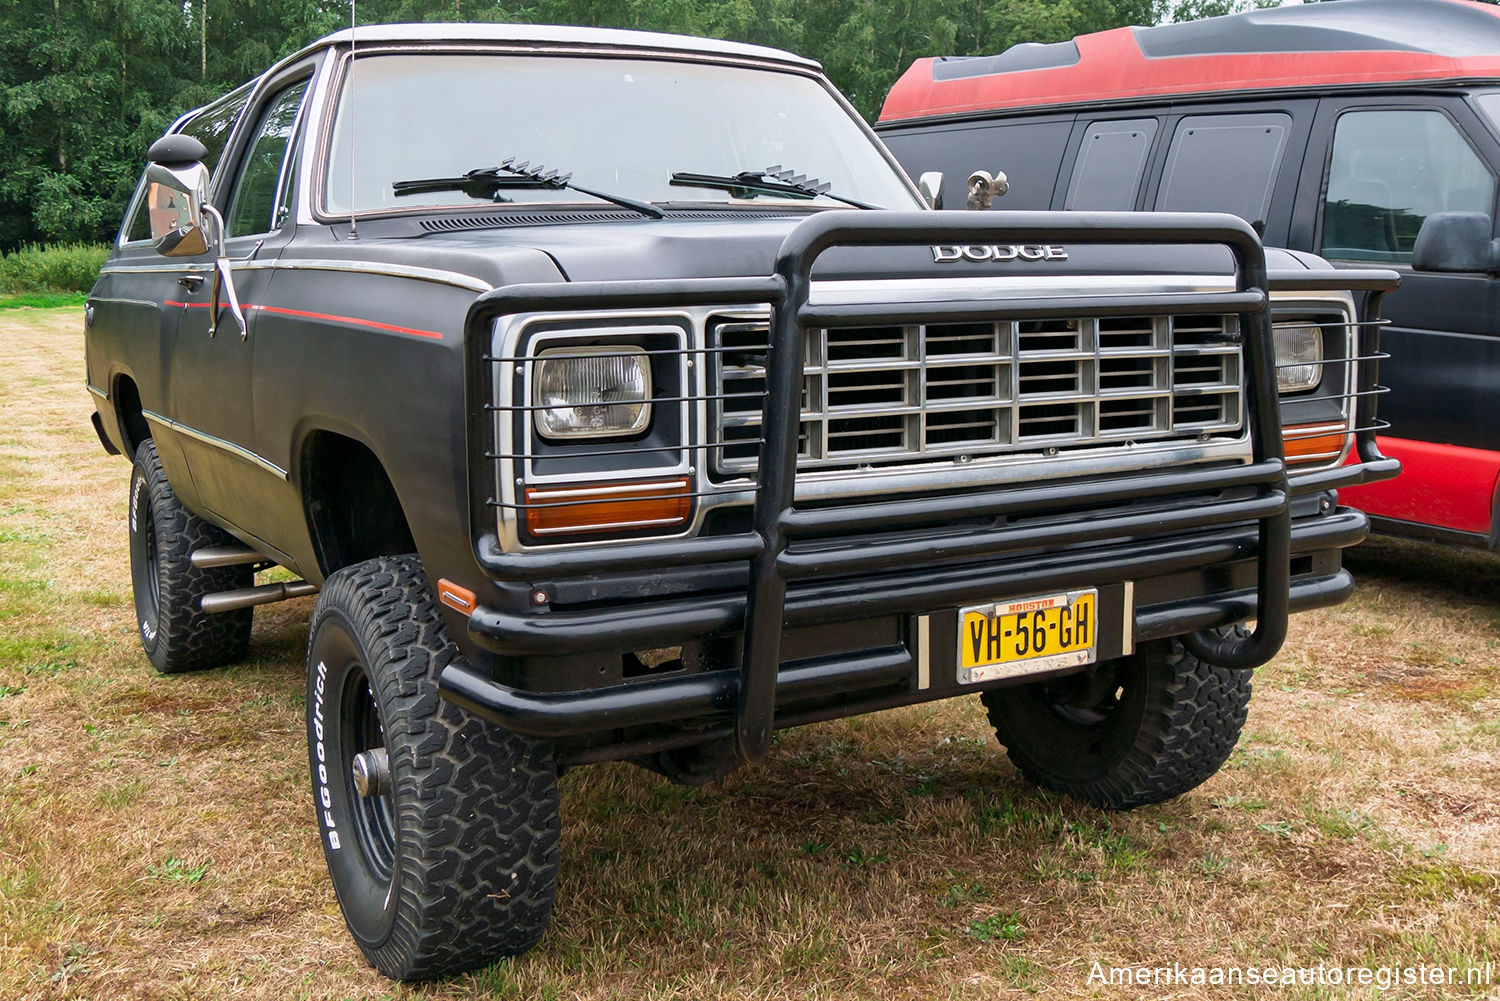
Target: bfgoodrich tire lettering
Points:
(457, 865)
(175, 632)
(1138, 730)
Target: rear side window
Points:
(1224, 163)
(1111, 160)
(1389, 171)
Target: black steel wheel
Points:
(176, 633)
(440, 832)
(1137, 730)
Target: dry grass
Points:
(155, 840)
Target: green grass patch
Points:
(43, 300)
(1005, 927)
(177, 870)
(48, 268)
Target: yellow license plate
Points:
(1007, 639)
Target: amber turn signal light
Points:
(457, 597)
(611, 507)
(1309, 443)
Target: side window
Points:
(255, 205)
(212, 125)
(1224, 163)
(1111, 160)
(139, 225)
(1389, 171)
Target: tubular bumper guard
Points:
(1260, 494)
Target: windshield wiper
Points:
(486, 182)
(774, 180)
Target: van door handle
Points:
(190, 282)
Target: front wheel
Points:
(440, 832)
(1137, 730)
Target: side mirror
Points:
(183, 223)
(1457, 242)
(930, 184)
(176, 194)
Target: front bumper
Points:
(1166, 587)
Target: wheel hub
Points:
(371, 771)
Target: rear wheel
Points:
(175, 632)
(440, 832)
(1137, 730)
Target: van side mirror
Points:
(1457, 242)
(930, 184)
(176, 194)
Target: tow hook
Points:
(372, 773)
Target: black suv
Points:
(621, 399)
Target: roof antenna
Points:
(353, 222)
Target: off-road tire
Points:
(1141, 729)
(457, 865)
(176, 633)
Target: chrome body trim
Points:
(98, 392)
(550, 36)
(186, 267)
(455, 278)
(219, 443)
(435, 275)
(1001, 288)
(924, 652)
(122, 301)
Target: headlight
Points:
(1299, 357)
(595, 392)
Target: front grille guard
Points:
(777, 520)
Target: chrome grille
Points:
(907, 393)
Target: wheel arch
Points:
(130, 416)
(352, 509)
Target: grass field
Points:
(156, 839)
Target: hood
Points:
(740, 246)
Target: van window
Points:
(1389, 171)
(1111, 160)
(1028, 153)
(1224, 163)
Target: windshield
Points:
(622, 126)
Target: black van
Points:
(1367, 131)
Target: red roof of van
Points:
(1346, 43)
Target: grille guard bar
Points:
(776, 519)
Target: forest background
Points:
(86, 85)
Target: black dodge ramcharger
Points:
(620, 398)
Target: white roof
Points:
(545, 34)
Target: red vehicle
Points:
(1366, 131)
